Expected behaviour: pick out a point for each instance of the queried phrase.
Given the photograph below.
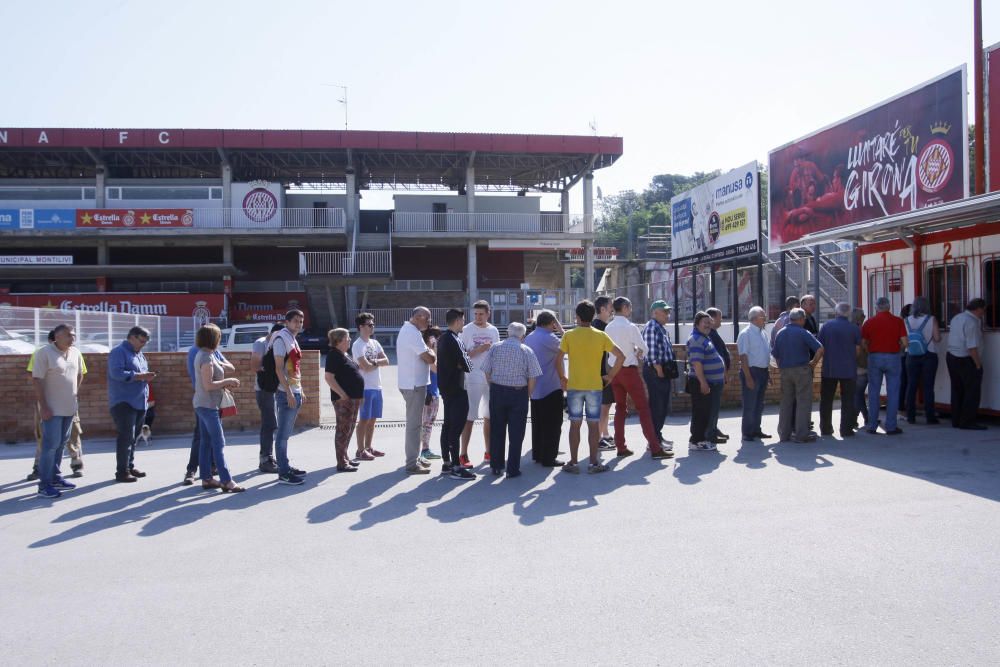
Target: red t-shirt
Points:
(883, 333)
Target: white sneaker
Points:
(703, 446)
(667, 445)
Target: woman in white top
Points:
(921, 369)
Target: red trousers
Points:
(628, 382)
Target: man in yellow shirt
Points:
(586, 347)
(75, 444)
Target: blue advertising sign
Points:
(38, 218)
(9, 218)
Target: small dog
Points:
(146, 435)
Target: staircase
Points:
(319, 304)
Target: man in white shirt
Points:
(369, 354)
(754, 348)
(478, 337)
(413, 374)
(628, 381)
(965, 364)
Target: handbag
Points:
(227, 407)
(670, 370)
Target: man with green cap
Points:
(658, 381)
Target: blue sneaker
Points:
(429, 455)
(49, 491)
(62, 485)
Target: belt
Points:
(507, 386)
(630, 366)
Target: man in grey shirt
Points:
(965, 365)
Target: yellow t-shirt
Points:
(585, 347)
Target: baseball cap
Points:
(660, 303)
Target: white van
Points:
(240, 337)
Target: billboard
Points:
(201, 306)
(139, 218)
(265, 306)
(37, 218)
(907, 153)
(993, 118)
(717, 220)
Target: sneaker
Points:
(62, 485)
(297, 472)
(596, 468)
(446, 469)
(571, 467)
(32, 476)
(188, 478)
(662, 454)
(464, 461)
(486, 457)
(462, 474)
(423, 463)
(606, 445)
(703, 446)
(290, 478)
(77, 468)
(269, 466)
(623, 452)
(125, 477)
(429, 455)
(667, 445)
(417, 470)
(49, 491)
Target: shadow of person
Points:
(803, 456)
(404, 503)
(30, 500)
(356, 498)
(691, 468)
(486, 494)
(752, 454)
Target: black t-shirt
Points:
(601, 325)
(347, 374)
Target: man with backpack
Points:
(884, 337)
(289, 396)
(265, 385)
(841, 340)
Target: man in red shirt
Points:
(884, 337)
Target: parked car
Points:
(314, 339)
(11, 343)
(240, 337)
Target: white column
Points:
(588, 269)
(564, 208)
(352, 202)
(99, 191)
(470, 189)
(227, 186)
(473, 274)
(588, 228)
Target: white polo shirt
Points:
(412, 371)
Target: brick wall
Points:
(172, 390)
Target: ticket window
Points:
(946, 286)
(888, 283)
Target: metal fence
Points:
(407, 221)
(22, 330)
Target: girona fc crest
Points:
(260, 204)
(935, 166)
(129, 219)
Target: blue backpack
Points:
(916, 347)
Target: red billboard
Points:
(138, 217)
(907, 153)
(993, 118)
(171, 304)
(265, 306)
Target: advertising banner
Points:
(907, 153)
(142, 218)
(993, 118)
(37, 218)
(258, 204)
(265, 306)
(718, 220)
(201, 306)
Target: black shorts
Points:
(607, 396)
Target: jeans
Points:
(546, 426)
(796, 402)
(753, 400)
(920, 372)
(55, 434)
(414, 400)
(128, 423)
(883, 364)
(860, 407)
(660, 390)
(701, 409)
(213, 441)
(629, 383)
(966, 380)
(828, 387)
(268, 423)
(196, 440)
(286, 421)
(456, 409)
(508, 416)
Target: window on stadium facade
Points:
(45, 194)
(887, 283)
(947, 288)
(991, 292)
(140, 193)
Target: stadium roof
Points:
(403, 160)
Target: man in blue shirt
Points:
(660, 354)
(547, 397)
(792, 348)
(841, 340)
(128, 391)
(192, 466)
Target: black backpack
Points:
(267, 378)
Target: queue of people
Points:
(474, 374)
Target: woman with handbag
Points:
(347, 391)
(211, 396)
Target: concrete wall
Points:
(172, 390)
(457, 203)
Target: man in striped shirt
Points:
(658, 383)
(706, 375)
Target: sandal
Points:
(232, 488)
(364, 456)
(208, 484)
(375, 452)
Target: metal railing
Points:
(406, 221)
(390, 319)
(283, 218)
(346, 263)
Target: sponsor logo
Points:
(935, 166)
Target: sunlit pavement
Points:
(873, 550)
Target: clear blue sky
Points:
(690, 85)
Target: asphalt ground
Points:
(874, 550)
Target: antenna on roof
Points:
(593, 126)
